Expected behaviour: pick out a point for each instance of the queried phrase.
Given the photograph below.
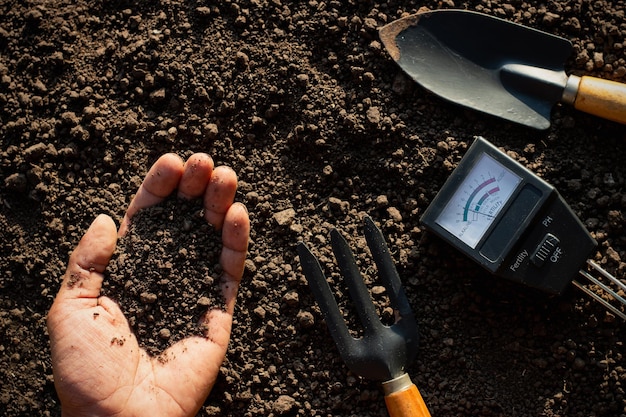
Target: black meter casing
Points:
(509, 220)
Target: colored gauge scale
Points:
(478, 200)
(516, 225)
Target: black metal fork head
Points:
(383, 352)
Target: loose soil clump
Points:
(165, 273)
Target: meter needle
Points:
(489, 216)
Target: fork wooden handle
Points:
(407, 403)
(403, 399)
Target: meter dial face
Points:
(476, 203)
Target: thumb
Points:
(83, 278)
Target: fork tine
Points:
(358, 291)
(386, 268)
(324, 297)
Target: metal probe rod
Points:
(604, 287)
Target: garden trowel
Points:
(497, 67)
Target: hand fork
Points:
(383, 352)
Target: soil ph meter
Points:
(516, 225)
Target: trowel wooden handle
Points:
(603, 98)
(406, 402)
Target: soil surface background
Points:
(322, 127)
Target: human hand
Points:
(99, 368)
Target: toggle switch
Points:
(546, 249)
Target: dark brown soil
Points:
(322, 128)
(164, 273)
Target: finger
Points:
(196, 176)
(160, 181)
(83, 278)
(219, 195)
(235, 236)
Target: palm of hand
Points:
(98, 365)
(103, 369)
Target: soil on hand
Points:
(322, 128)
(165, 273)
